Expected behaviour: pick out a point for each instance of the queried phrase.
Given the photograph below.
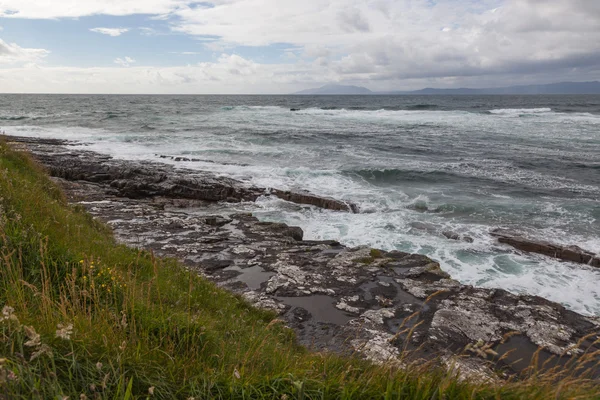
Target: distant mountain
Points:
(337, 89)
(552, 88)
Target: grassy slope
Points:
(146, 328)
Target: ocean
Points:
(417, 166)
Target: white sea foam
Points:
(482, 263)
(517, 111)
(309, 148)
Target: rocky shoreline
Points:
(350, 300)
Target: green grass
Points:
(85, 317)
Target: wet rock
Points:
(310, 199)
(264, 302)
(425, 226)
(217, 220)
(456, 236)
(566, 253)
(212, 265)
(343, 304)
(377, 348)
(138, 180)
(451, 235)
(294, 232)
(348, 300)
(377, 316)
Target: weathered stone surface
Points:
(145, 179)
(566, 253)
(336, 298)
(308, 198)
(456, 236)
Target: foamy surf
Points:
(518, 111)
(416, 169)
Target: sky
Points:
(282, 46)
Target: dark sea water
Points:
(416, 165)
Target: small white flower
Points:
(8, 314)
(7, 311)
(151, 390)
(123, 320)
(44, 349)
(33, 336)
(12, 376)
(64, 331)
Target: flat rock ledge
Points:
(146, 179)
(566, 253)
(389, 307)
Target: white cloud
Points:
(231, 73)
(110, 31)
(50, 9)
(403, 39)
(11, 53)
(383, 44)
(125, 61)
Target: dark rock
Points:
(451, 235)
(294, 232)
(567, 253)
(139, 180)
(51, 142)
(215, 264)
(306, 282)
(456, 236)
(310, 199)
(425, 226)
(217, 220)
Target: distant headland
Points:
(552, 88)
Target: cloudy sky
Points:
(280, 46)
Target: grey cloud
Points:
(317, 51)
(550, 16)
(381, 5)
(585, 6)
(4, 49)
(392, 39)
(387, 42)
(352, 20)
